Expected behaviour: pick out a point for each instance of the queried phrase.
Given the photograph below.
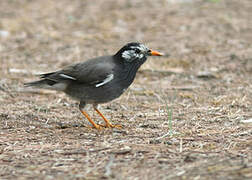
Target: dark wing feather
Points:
(89, 72)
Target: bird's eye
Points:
(137, 51)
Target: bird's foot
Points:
(97, 126)
(102, 126)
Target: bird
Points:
(98, 80)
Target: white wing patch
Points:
(67, 77)
(105, 81)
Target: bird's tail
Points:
(44, 83)
(49, 81)
(47, 84)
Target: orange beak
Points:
(155, 53)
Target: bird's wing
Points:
(96, 72)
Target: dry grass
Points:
(205, 80)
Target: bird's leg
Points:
(81, 107)
(108, 124)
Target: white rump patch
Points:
(67, 77)
(105, 81)
(57, 86)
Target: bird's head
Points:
(135, 52)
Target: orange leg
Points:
(90, 120)
(108, 124)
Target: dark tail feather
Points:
(47, 84)
(44, 83)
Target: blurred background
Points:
(204, 79)
(44, 35)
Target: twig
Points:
(108, 171)
(83, 152)
(6, 91)
(181, 145)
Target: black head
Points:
(135, 52)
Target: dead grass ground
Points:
(206, 81)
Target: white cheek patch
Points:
(140, 56)
(128, 54)
(109, 78)
(131, 55)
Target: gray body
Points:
(98, 80)
(81, 80)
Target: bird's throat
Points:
(130, 73)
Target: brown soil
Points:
(183, 118)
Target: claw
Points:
(108, 124)
(114, 126)
(98, 127)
